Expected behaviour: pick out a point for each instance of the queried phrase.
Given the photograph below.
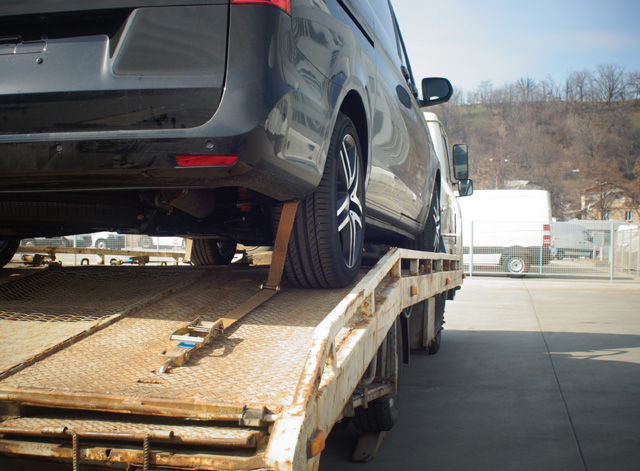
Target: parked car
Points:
(507, 230)
(571, 240)
(108, 240)
(200, 117)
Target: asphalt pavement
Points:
(533, 374)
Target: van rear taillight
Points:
(284, 5)
(206, 160)
(546, 235)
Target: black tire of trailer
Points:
(381, 414)
(327, 239)
(212, 252)
(7, 251)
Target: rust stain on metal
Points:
(118, 455)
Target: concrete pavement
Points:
(533, 374)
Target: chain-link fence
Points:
(577, 248)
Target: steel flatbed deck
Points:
(81, 351)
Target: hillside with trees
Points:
(581, 137)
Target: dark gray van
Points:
(200, 117)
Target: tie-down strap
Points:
(197, 334)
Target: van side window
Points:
(386, 30)
(403, 50)
(365, 10)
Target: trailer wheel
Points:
(101, 244)
(212, 252)
(382, 414)
(7, 251)
(327, 240)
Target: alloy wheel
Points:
(349, 208)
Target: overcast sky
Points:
(469, 41)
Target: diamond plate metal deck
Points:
(257, 362)
(46, 311)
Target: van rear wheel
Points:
(517, 264)
(327, 239)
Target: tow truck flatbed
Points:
(81, 350)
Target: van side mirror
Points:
(461, 162)
(435, 90)
(465, 187)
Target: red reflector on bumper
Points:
(284, 5)
(206, 160)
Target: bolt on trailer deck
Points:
(89, 373)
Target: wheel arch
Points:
(354, 108)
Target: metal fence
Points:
(109, 248)
(577, 248)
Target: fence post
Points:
(612, 253)
(471, 252)
(629, 252)
(542, 245)
(638, 261)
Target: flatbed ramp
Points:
(80, 362)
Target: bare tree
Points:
(581, 82)
(458, 96)
(609, 82)
(550, 91)
(527, 89)
(633, 84)
(485, 92)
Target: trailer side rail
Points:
(345, 343)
